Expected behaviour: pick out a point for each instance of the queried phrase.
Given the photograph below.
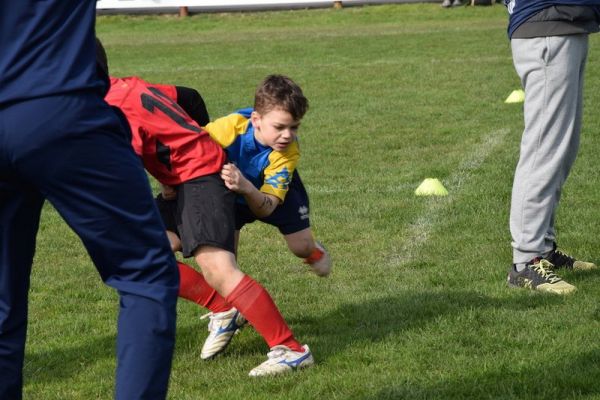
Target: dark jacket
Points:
(522, 10)
(33, 62)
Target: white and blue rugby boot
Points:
(222, 327)
(282, 359)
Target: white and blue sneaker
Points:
(282, 359)
(222, 327)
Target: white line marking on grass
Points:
(391, 189)
(418, 232)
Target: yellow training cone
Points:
(431, 187)
(517, 96)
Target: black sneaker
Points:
(562, 260)
(538, 275)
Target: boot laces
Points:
(544, 268)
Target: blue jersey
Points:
(269, 170)
(521, 10)
(33, 63)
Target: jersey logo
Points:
(280, 180)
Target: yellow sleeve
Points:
(280, 170)
(224, 130)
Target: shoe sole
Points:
(584, 266)
(539, 289)
(286, 371)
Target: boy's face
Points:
(276, 128)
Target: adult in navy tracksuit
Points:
(60, 141)
(549, 41)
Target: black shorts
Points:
(202, 214)
(289, 217)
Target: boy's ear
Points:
(255, 119)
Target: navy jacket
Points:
(521, 10)
(33, 63)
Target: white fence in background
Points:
(232, 4)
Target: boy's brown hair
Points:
(279, 91)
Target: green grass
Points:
(417, 306)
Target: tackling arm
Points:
(190, 100)
(261, 204)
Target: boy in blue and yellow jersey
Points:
(263, 152)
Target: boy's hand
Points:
(168, 192)
(261, 204)
(234, 179)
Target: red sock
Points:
(255, 303)
(193, 287)
(315, 256)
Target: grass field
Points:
(417, 306)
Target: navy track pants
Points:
(72, 151)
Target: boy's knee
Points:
(218, 267)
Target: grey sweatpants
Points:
(551, 71)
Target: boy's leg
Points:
(20, 208)
(174, 241)
(292, 218)
(168, 215)
(224, 319)
(87, 169)
(246, 295)
(207, 233)
(301, 243)
(194, 287)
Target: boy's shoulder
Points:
(245, 112)
(235, 120)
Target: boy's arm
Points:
(193, 104)
(261, 204)
(278, 173)
(188, 99)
